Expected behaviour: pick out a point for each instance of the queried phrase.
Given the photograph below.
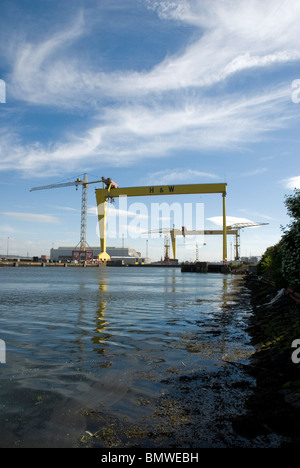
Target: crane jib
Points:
(45, 187)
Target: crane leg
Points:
(102, 218)
(224, 230)
(173, 240)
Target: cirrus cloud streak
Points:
(184, 102)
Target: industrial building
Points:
(125, 254)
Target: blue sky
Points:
(147, 92)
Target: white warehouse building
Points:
(129, 256)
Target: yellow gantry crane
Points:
(111, 191)
(184, 232)
(234, 229)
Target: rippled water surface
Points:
(89, 340)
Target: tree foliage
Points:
(292, 203)
(281, 263)
(291, 242)
(270, 265)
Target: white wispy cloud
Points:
(256, 214)
(32, 217)
(129, 134)
(7, 228)
(177, 175)
(254, 172)
(261, 21)
(292, 182)
(48, 72)
(64, 208)
(165, 108)
(42, 73)
(230, 220)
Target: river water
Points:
(121, 357)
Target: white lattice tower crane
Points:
(83, 224)
(88, 254)
(237, 227)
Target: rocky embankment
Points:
(274, 407)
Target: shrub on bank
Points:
(270, 265)
(281, 262)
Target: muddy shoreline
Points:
(241, 404)
(274, 406)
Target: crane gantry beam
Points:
(234, 229)
(184, 232)
(111, 191)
